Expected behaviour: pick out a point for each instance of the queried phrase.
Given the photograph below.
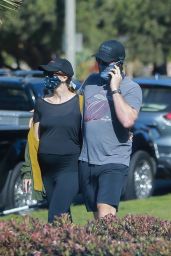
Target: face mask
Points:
(52, 82)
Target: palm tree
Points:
(9, 5)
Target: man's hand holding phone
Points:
(116, 78)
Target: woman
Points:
(57, 126)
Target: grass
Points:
(158, 206)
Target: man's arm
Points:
(125, 113)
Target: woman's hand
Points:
(26, 185)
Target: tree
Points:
(142, 25)
(30, 36)
(35, 33)
(10, 5)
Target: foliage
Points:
(132, 235)
(35, 33)
(10, 5)
(142, 25)
(30, 36)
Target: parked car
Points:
(5, 72)
(17, 97)
(24, 73)
(21, 72)
(151, 154)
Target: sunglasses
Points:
(59, 74)
(101, 62)
(54, 74)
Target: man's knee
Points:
(105, 209)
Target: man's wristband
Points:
(116, 91)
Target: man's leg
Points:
(110, 185)
(105, 209)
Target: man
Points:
(111, 106)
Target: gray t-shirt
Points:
(105, 140)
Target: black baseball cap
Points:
(58, 64)
(111, 50)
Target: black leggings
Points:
(60, 179)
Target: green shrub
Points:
(131, 235)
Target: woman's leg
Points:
(60, 178)
(48, 183)
(64, 191)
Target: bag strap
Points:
(81, 102)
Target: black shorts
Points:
(102, 184)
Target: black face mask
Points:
(52, 82)
(102, 65)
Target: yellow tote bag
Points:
(33, 149)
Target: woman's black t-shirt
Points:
(60, 126)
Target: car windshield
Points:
(13, 99)
(156, 99)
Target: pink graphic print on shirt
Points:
(97, 107)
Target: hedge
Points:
(131, 235)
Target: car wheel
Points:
(140, 182)
(16, 196)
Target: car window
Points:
(13, 99)
(156, 99)
(39, 89)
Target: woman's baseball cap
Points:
(58, 64)
(110, 51)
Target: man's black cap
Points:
(110, 51)
(58, 64)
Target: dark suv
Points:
(151, 155)
(17, 97)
